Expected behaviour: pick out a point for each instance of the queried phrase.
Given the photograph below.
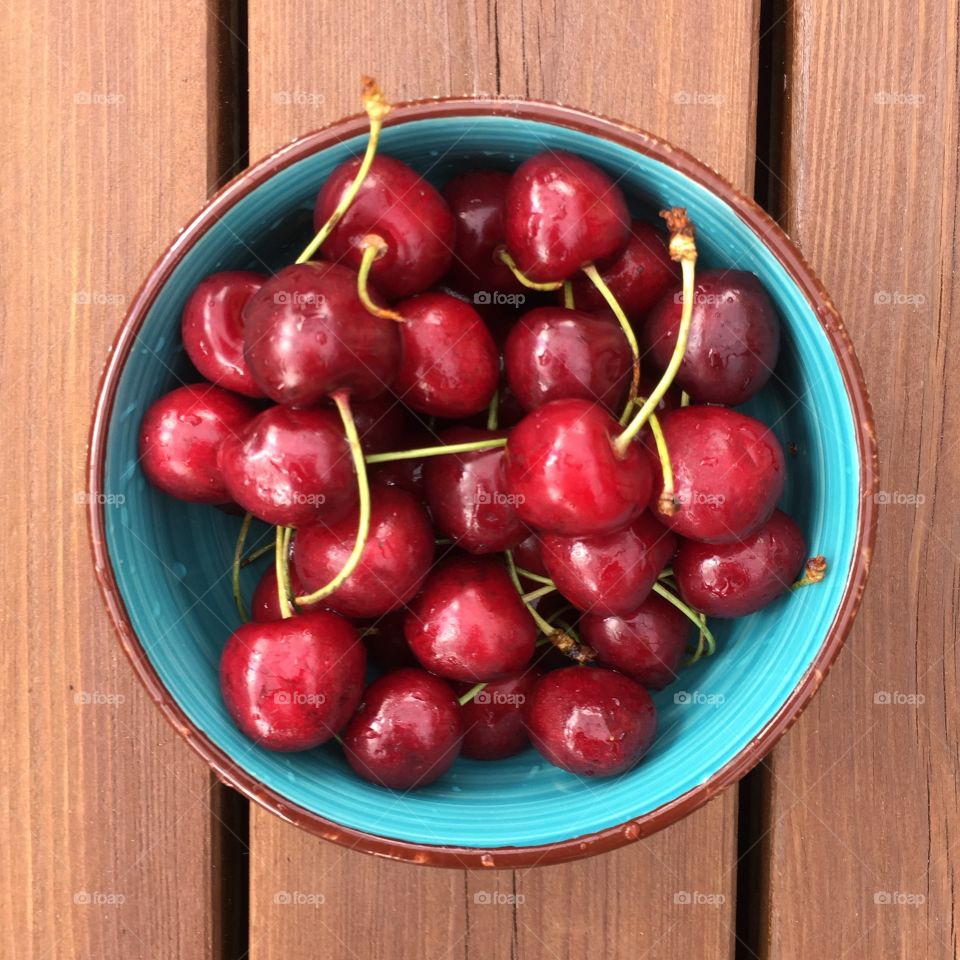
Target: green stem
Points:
(568, 295)
(255, 555)
(436, 451)
(374, 248)
(511, 265)
(665, 504)
(693, 615)
(282, 559)
(235, 575)
(493, 411)
(537, 594)
(813, 572)
(535, 577)
(471, 693)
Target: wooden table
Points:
(120, 119)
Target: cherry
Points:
(466, 496)
(292, 684)
(610, 572)
(733, 342)
(646, 644)
(394, 563)
(493, 718)
(469, 622)
(449, 365)
(565, 476)
(734, 579)
(290, 467)
(590, 721)
(379, 422)
(181, 435)
(407, 731)
(212, 329)
(265, 603)
(407, 474)
(638, 276)
(396, 204)
(728, 473)
(528, 555)
(557, 354)
(387, 647)
(307, 335)
(561, 213)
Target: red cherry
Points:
(565, 476)
(307, 335)
(557, 354)
(646, 644)
(610, 572)
(562, 212)
(379, 422)
(728, 473)
(406, 474)
(734, 579)
(528, 555)
(290, 467)
(734, 337)
(590, 721)
(292, 684)
(407, 731)
(466, 496)
(180, 438)
(387, 648)
(398, 205)
(449, 365)
(469, 622)
(394, 563)
(493, 720)
(265, 603)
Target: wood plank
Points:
(685, 72)
(864, 815)
(103, 809)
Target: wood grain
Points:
(103, 809)
(686, 72)
(864, 818)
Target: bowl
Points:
(164, 565)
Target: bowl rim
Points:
(787, 255)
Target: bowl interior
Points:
(172, 560)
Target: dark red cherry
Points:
(180, 438)
(610, 572)
(406, 474)
(396, 204)
(728, 473)
(638, 276)
(467, 498)
(734, 337)
(557, 354)
(562, 212)
(394, 563)
(469, 622)
(449, 365)
(407, 731)
(265, 603)
(734, 579)
(493, 720)
(212, 329)
(565, 475)
(476, 201)
(307, 335)
(290, 467)
(590, 721)
(292, 684)
(528, 554)
(646, 644)
(387, 648)
(380, 422)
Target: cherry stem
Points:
(282, 561)
(376, 106)
(493, 411)
(237, 554)
(535, 577)
(591, 271)
(471, 693)
(437, 451)
(684, 398)
(683, 249)
(666, 573)
(537, 594)
(666, 504)
(568, 295)
(693, 615)
(814, 571)
(255, 555)
(505, 258)
(341, 399)
(374, 248)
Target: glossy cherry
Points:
(493, 725)
(565, 476)
(734, 579)
(387, 648)
(180, 439)
(292, 684)
(394, 563)
(528, 554)
(734, 337)
(557, 354)
(290, 467)
(469, 622)
(646, 644)
(265, 602)
(307, 335)
(396, 204)
(407, 474)
(590, 721)
(610, 572)
(380, 422)
(467, 498)
(407, 731)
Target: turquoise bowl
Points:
(164, 565)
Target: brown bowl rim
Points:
(612, 837)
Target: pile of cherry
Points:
(441, 410)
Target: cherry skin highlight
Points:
(493, 725)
